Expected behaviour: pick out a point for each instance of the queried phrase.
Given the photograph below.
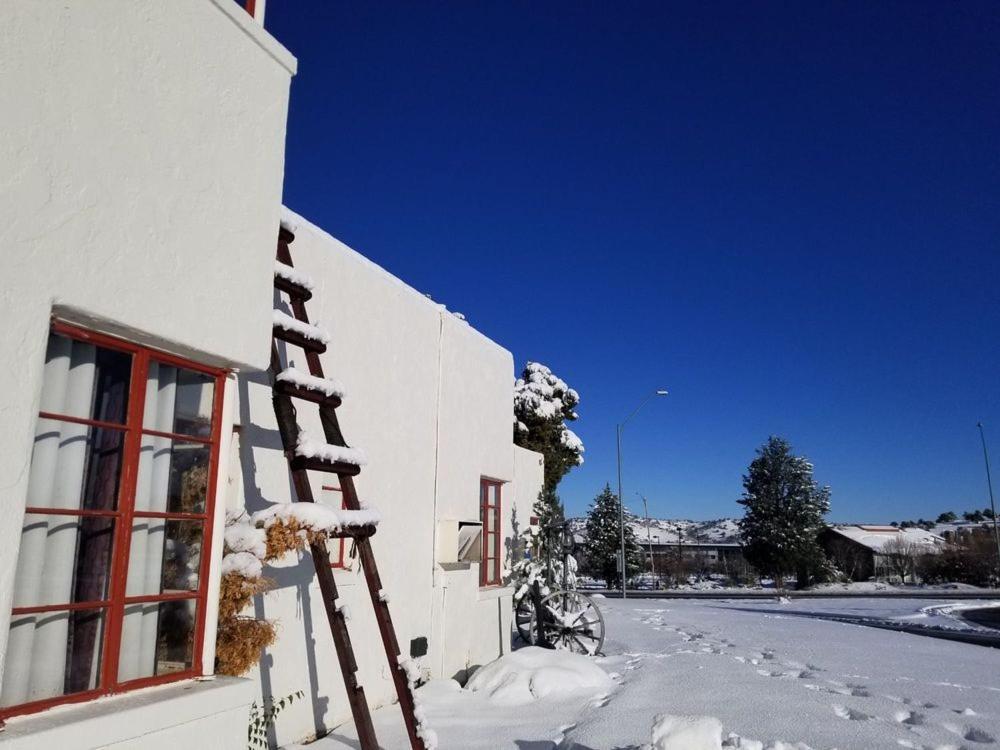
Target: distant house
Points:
(959, 531)
(863, 552)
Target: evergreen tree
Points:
(603, 545)
(543, 403)
(784, 514)
(947, 517)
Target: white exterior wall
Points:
(430, 401)
(141, 169)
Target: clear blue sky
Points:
(788, 214)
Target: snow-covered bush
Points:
(543, 403)
(533, 673)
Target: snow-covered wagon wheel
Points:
(524, 612)
(569, 620)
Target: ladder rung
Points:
(293, 337)
(357, 532)
(306, 394)
(292, 289)
(318, 464)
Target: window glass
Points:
(178, 401)
(173, 475)
(164, 557)
(65, 649)
(63, 559)
(157, 638)
(75, 466)
(85, 381)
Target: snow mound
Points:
(534, 673)
(686, 733)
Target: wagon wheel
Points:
(571, 621)
(524, 613)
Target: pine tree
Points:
(784, 514)
(543, 403)
(603, 545)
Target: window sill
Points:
(128, 716)
(489, 593)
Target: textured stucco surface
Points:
(430, 401)
(141, 168)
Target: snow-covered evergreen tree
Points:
(603, 544)
(784, 514)
(543, 403)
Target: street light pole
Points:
(993, 507)
(649, 540)
(621, 500)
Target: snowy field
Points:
(761, 674)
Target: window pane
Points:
(83, 380)
(63, 559)
(164, 556)
(178, 400)
(52, 654)
(157, 638)
(173, 476)
(75, 466)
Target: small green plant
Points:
(262, 718)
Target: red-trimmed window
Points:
(334, 497)
(111, 581)
(489, 515)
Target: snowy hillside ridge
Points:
(674, 531)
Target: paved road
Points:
(987, 616)
(957, 594)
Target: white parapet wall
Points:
(429, 400)
(142, 162)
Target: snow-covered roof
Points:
(877, 537)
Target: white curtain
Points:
(37, 647)
(139, 629)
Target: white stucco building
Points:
(143, 157)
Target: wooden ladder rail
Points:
(345, 474)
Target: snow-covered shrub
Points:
(543, 403)
(533, 673)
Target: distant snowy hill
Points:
(665, 530)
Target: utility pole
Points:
(649, 538)
(993, 507)
(621, 499)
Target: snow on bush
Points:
(541, 398)
(533, 673)
(686, 733)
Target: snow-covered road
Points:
(769, 674)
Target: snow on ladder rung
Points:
(309, 448)
(293, 275)
(301, 379)
(286, 322)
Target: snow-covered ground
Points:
(758, 674)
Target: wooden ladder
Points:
(284, 408)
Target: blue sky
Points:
(786, 213)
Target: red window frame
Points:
(489, 567)
(115, 604)
(337, 561)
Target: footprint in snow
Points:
(910, 718)
(970, 733)
(844, 712)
